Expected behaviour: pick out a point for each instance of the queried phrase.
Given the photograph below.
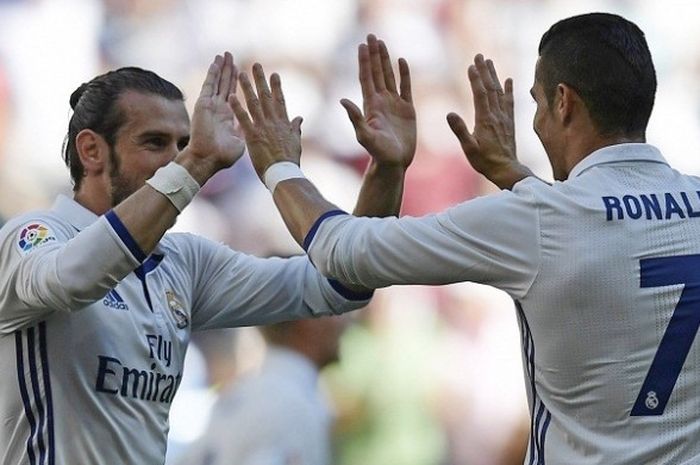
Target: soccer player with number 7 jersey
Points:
(603, 264)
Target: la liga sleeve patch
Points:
(33, 235)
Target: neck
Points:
(94, 198)
(578, 149)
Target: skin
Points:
(386, 128)
(155, 131)
(566, 130)
(490, 147)
(121, 172)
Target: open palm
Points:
(387, 127)
(214, 135)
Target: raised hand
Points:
(387, 128)
(269, 134)
(491, 147)
(214, 140)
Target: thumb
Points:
(356, 117)
(296, 124)
(459, 128)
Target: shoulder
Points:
(506, 206)
(192, 248)
(32, 230)
(182, 242)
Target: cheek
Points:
(537, 123)
(149, 163)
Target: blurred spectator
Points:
(480, 389)
(278, 416)
(385, 388)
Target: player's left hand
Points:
(490, 148)
(387, 127)
(269, 134)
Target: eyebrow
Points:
(155, 133)
(147, 134)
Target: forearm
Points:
(380, 196)
(507, 175)
(381, 191)
(300, 204)
(147, 214)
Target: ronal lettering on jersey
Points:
(114, 300)
(660, 206)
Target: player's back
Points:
(609, 323)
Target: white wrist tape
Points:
(281, 171)
(176, 183)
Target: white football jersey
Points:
(605, 272)
(93, 333)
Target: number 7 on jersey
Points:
(680, 332)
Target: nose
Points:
(173, 150)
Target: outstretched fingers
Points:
(479, 93)
(459, 128)
(496, 82)
(492, 88)
(508, 100)
(387, 70)
(405, 84)
(246, 124)
(264, 93)
(251, 100)
(226, 77)
(211, 81)
(356, 118)
(278, 101)
(376, 63)
(365, 65)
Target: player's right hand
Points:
(214, 141)
(490, 148)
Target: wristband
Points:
(176, 183)
(281, 171)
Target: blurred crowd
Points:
(426, 375)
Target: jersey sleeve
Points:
(234, 289)
(46, 267)
(491, 240)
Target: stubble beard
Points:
(121, 186)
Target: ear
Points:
(93, 151)
(565, 103)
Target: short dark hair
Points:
(606, 60)
(94, 107)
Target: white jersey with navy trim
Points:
(93, 333)
(605, 272)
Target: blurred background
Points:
(426, 375)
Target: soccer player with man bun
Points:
(97, 303)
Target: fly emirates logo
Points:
(114, 377)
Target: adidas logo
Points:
(114, 300)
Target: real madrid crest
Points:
(177, 309)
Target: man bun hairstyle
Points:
(94, 107)
(606, 60)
